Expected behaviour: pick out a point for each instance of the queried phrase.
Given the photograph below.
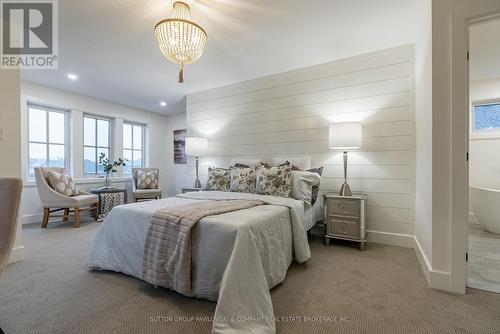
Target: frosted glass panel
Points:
(138, 137)
(89, 131)
(127, 136)
(37, 125)
(102, 133)
(56, 128)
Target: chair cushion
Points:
(144, 193)
(146, 180)
(82, 200)
(62, 183)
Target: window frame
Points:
(143, 141)
(478, 135)
(47, 143)
(96, 146)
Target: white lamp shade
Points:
(345, 136)
(196, 146)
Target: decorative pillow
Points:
(245, 162)
(218, 179)
(274, 181)
(315, 189)
(302, 163)
(287, 163)
(242, 179)
(302, 185)
(62, 183)
(146, 180)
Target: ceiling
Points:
(485, 51)
(110, 44)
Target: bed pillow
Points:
(302, 163)
(315, 188)
(302, 185)
(218, 179)
(146, 180)
(242, 179)
(245, 162)
(274, 181)
(62, 183)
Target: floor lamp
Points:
(345, 137)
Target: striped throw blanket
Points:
(167, 250)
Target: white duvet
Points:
(237, 257)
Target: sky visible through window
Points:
(487, 118)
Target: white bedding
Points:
(237, 257)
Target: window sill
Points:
(31, 183)
(484, 136)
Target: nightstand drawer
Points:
(346, 228)
(344, 207)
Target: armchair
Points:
(144, 194)
(52, 201)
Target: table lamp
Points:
(196, 146)
(345, 136)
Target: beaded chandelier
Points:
(180, 40)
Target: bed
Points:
(237, 257)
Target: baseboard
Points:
(30, 219)
(393, 239)
(436, 279)
(16, 255)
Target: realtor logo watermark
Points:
(29, 34)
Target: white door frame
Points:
(460, 22)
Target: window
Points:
(133, 146)
(96, 134)
(486, 118)
(47, 138)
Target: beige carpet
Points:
(381, 290)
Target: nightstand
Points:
(109, 198)
(345, 218)
(188, 190)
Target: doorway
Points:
(484, 158)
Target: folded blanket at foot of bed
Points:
(167, 250)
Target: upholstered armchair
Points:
(10, 196)
(145, 194)
(52, 201)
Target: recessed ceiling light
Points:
(72, 76)
(163, 103)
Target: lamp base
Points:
(197, 184)
(345, 190)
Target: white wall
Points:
(157, 141)
(178, 175)
(288, 114)
(10, 146)
(484, 162)
(423, 140)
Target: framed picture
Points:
(180, 146)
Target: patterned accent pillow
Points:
(218, 179)
(287, 163)
(274, 181)
(62, 183)
(242, 179)
(146, 180)
(315, 189)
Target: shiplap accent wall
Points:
(288, 114)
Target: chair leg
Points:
(46, 214)
(66, 215)
(76, 223)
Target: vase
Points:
(107, 180)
